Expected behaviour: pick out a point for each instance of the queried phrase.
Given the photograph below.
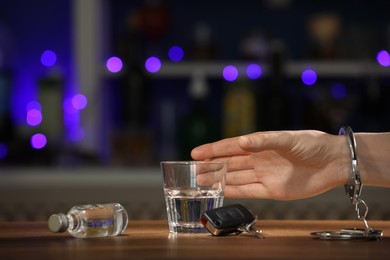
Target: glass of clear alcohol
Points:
(191, 188)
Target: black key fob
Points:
(234, 218)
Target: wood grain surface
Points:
(285, 239)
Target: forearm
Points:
(373, 155)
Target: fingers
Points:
(222, 148)
(253, 190)
(260, 141)
(211, 178)
(242, 177)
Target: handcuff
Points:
(353, 188)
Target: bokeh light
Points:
(69, 108)
(38, 141)
(153, 64)
(339, 90)
(48, 58)
(176, 53)
(383, 58)
(3, 151)
(253, 71)
(114, 64)
(309, 77)
(230, 73)
(79, 101)
(33, 105)
(34, 117)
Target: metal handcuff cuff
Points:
(353, 189)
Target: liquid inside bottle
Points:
(92, 220)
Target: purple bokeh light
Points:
(79, 101)
(253, 71)
(114, 64)
(230, 73)
(309, 77)
(38, 141)
(48, 58)
(3, 151)
(176, 53)
(383, 58)
(34, 117)
(153, 64)
(339, 90)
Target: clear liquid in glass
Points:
(186, 206)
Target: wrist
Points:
(343, 159)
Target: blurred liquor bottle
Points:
(199, 126)
(324, 31)
(239, 108)
(243, 102)
(6, 126)
(132, 143)
(133, 90)
(202, 45)
(276, 112)
(51, 97)
(255, 45)
(7, 130)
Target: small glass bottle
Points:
(92, 220)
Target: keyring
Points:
(349, 234)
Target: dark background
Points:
(132, 131)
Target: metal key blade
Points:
(256, 232)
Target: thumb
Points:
(261, 141)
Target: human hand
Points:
(281, 165)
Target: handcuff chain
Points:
(362, 217)
(359, 216)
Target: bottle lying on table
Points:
(92, 220)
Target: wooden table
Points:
(151, 240)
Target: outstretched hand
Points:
(280, 165)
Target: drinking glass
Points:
(191, 188)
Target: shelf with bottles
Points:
(291, 68)
(213, 69)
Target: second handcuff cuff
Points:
(353, 189)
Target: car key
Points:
(234, 218)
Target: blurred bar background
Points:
(95, 93)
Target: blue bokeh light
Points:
(153, 64)
(253, 71)
(48, 58)
(230, 73)
(33, 105)
(176, 53)
(3, 151)
(309, 77)
(339, 90)
(38, 141)
(114, 64)
(383, 58)
(69, 109)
